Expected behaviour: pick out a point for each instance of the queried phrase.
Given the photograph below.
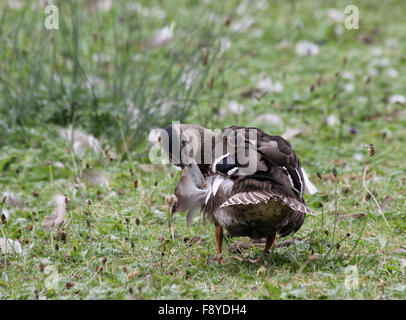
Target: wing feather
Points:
(255, 197)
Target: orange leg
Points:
(269, 242)
(219, 240)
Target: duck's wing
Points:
(258, 196)
(277, 151)
(276, 158)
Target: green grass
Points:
(129, 226)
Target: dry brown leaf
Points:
(339, 163)
(239, 246)
(133, 274)
(195, 239)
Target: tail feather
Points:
(255, 197)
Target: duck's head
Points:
(186, 142)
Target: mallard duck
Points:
(253, 185)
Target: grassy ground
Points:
(115, 241)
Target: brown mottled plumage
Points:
(259, 203)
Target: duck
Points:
(251, 183)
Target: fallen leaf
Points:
(57, 217)
(133, 274)
(399, 250)
(13, 200)
(233, 107)
(238, 247)
(306, 48)
(291, 132)
(10, 246)
(332, 120)
(254, 260)
(261, 270)
(95, 177)
(266, 85)
(397, 98)
(195, 239)
(52, 280)
(80, 141)
(242, 24)
(162, 36)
